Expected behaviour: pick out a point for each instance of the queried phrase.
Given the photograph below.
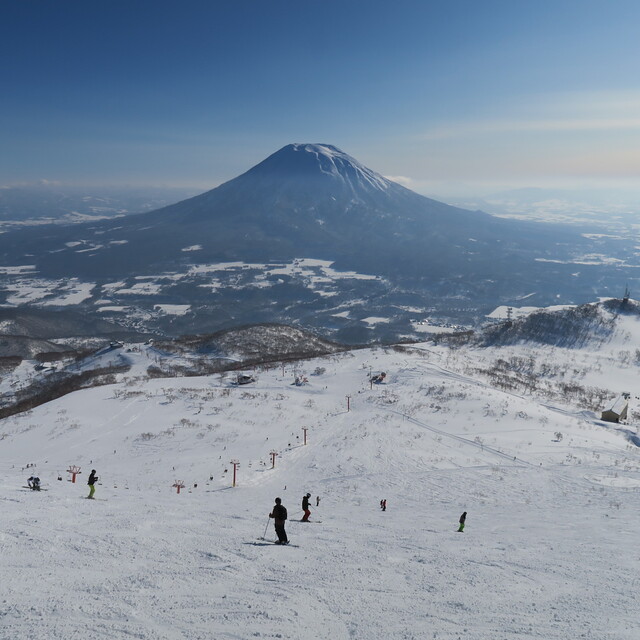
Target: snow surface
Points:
(502, 312)
(340, 165)
(19, 269)
(112, 308)
(74, 292)
(173, 309)
(592, 259)
(372, 320)
(47, 292)
(549, 551)
(318, 276)
(141, 289)
(431, 328)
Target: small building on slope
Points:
(618, 410)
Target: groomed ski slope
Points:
(550, 550)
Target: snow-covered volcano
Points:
(305, 200)
(312, 202)
(313, 189)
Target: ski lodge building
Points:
(618, 410)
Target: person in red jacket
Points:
(305, 508)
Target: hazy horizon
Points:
(626, 190)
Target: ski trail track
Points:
(466, 441)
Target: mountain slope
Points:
(547, 551)
(573, 327)
(304, 200)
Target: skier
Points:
(317, 501)
(305, 508)
(34, 483)
(463, 519)
(93, 478)
(383, 504)
(279, 515)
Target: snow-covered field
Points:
(550, 550)
(319, 276)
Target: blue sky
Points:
(442, 95)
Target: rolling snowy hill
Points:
(549, 550)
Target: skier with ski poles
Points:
(279, 515)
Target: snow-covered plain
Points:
(317, 275)
(549, 552)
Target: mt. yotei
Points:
(315, 202)
(306, 200)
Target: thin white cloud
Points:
(513, 126)
(568, 112)
(403, 180)
(619, 103)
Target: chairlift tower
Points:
(74, 470)
(236, 464)
(178, 484)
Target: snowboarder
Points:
(279, 515)
(463, 519)
(93, 478)
(383, 504)
(305, 508)
(34, 483)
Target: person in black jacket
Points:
(93, 478)
(305, 508)
(463, 519)
(279, 515)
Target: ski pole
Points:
(264, 537)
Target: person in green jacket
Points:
(93, 478)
